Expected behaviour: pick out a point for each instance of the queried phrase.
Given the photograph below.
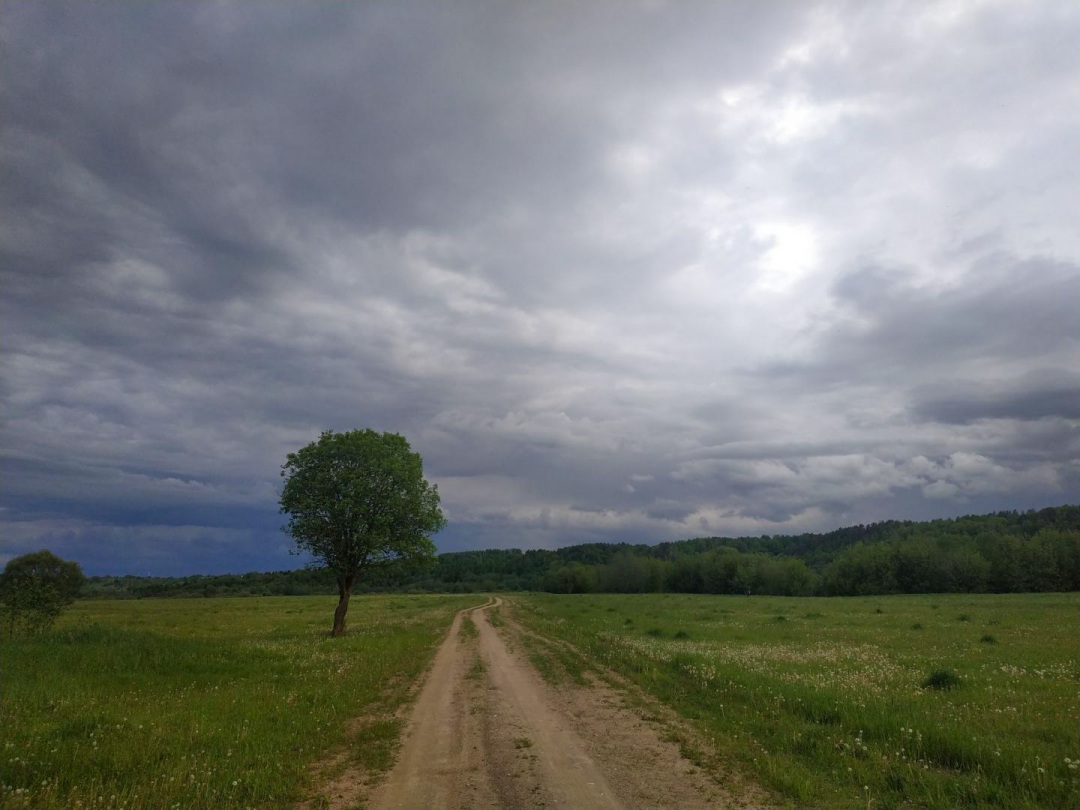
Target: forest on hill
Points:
(1003, 552)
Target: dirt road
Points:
(501, 746)
(488, 732)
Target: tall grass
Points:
(217, 703)
(844, 704)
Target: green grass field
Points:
(203, 703)
(878, 702)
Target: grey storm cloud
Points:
(1060, 398)
(618, 271)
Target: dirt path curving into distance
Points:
(441, 764)
(488, 732)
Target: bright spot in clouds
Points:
(791, 255)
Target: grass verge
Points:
(829, 707)
(203, 703)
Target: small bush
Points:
(917, 626)
(654, 631)
(34, 589)
(988, 639)
(682, 634)
(963, 617)
(779, 619)
(942, 680)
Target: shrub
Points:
(942, 680)
(35, 588)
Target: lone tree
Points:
(358, 501)
(35, 588)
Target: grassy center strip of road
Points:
(568, 773)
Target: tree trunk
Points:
(345, 586)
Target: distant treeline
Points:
(303, 582)
(1000, 553)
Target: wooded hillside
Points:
(1001, 553)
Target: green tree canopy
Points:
(356, 501)
(35, 587)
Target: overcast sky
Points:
(618, 271)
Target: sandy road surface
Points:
(488, 732)
(440, 764)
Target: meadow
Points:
(881, 702)
(205, 703)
